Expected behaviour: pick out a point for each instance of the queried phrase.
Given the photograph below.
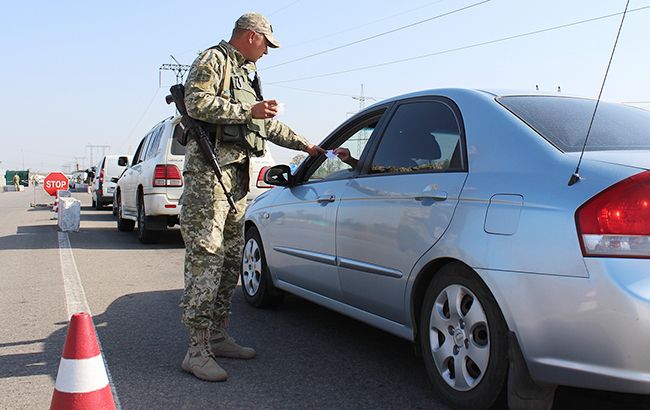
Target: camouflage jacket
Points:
(203, 98)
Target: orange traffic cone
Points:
(81, 382)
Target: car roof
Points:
(452, 92)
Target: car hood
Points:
(637, 158)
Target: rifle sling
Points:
(224, 88)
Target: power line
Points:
(451, 50)
(283, 8)
(323, 92)
(378, 35)
(141, 117)
(362, 25)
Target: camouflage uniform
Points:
(213, 236)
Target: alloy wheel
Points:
(252, 267)
(459, 337)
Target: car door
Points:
(131, 176)
(302, 220)
(401, 205)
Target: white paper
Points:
(330, 154)
(281, 109)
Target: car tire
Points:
(123, 225)
(93, 202)
(255, 276)
(99, 205)
(145, 235)
(463, 331)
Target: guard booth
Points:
(23, 174)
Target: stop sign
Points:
(55, 181)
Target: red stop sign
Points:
(55, 181)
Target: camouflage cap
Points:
(259, 24)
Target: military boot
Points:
(223, 345)
(200, 361)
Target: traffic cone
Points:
(81, 382)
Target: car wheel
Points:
(463, 338)
(98, 203)
(123, 225)
(255, 277)
(114, 206)
(144, 234)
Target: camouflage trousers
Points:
(213, 244)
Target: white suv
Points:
(149, 190)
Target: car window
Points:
(176, 148)
(137, 158)
(333, 167)
(152, 147)
(564, 121)
(421, 136)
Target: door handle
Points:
(433, 195)
(325, 198)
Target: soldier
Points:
(219, 91)
(17, 182)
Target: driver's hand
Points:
(343, 154)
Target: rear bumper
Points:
(161, 205)
(586, 332)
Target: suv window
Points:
(421, 136)
(176, 148)
(564, 121)
(152, 148)
(139, 154)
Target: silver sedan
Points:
(451, 218)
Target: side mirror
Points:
(123, 161)
(114, 180)
(278, 175)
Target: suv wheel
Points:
(144, 235)
(255, 277)
(463, 339)
(98, 203)
(123, 225)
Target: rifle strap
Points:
(224, 88)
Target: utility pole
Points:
(178, 68)
(362, 99)
(92, 147)
(362, 139)
(77, 162)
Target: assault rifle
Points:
(200, 135)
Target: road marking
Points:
(75, 296)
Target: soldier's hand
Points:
(265, 109)
(314, 150)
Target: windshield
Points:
(564, 121)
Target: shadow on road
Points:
(308, 357)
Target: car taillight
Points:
(167, 175)
(616, 222)
(260, 179)
(101, 176)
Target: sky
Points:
(83, 78)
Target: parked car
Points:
(149, 191)
(458, 229)
(103, 186)
(258, 167)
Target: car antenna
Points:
(576, 176)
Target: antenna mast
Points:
(576, 176)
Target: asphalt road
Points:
(308, 356)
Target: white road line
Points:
(75, 296)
